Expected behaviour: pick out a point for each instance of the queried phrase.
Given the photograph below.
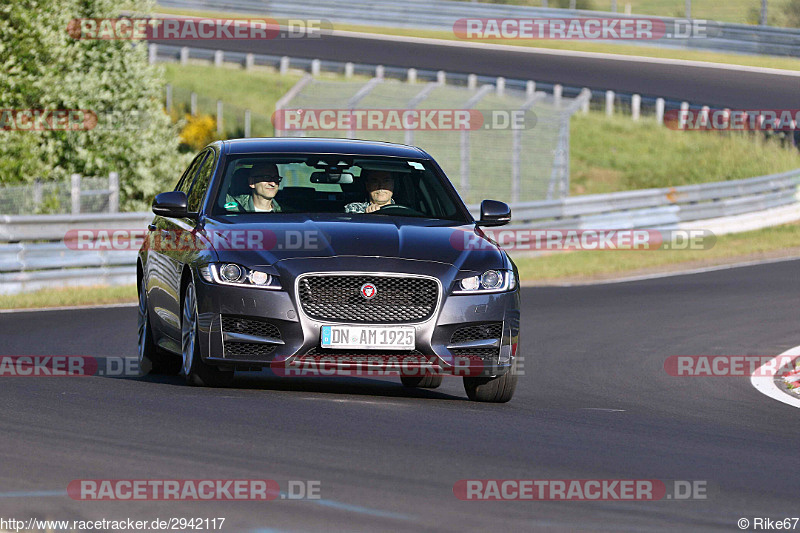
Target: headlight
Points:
(488, 282)
(238, 276)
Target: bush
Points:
(198, 132)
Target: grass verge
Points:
(566, 267)
(71, 296)
(785, 63)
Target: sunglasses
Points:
(275, 179)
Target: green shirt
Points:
(243, 203)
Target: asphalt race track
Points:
(698, 85)
(594, 403)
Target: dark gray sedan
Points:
(326, 257)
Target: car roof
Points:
(289, 145)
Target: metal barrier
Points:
(442, 14)
(34, 250)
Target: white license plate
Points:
(368, 337)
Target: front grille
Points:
(248, 350)
(397, 299)
(493, 330)
(249, 326)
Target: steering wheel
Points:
(387, 209)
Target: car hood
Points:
(252, 240)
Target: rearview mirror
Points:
(172, 204)
(332, 177)
(494, 213)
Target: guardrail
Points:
(34, 252)
(441, 14)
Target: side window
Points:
(185, 182)
(198, 190)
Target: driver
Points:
(380, 188)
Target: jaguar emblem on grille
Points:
(368, 291)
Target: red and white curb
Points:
(764, 380)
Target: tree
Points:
(46, 68)
(792, 11)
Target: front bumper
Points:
(443, 345)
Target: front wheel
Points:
(195, 370)
(152, 359)
(498, 389)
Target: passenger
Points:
(264, 181)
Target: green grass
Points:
(609, 154)
(69, 297)
(585, 265)
(786, 63)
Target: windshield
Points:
(313, 183)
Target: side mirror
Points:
(494, 213)
(172, 204)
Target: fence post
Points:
(315, 67)
(379, 72)
(284, 66)
(348, 70)
(412, 75)
(558, 90)
(501, 86)
(184, 55)
(193, 103)
(152, 53)
(168, 99)
(219, 55)
(660, 110)
(683, 116)
(219, 118)
(113, 195)
(37, 193)
(613, 6)
(441, 77)
(247, 123)
(636, 106)
(609, 103)
(472, 82)
(587, 101)
(75, 193)
(249, 61)
(530, 88)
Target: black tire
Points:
(499, 389)
(152, 359)
(195, 370)
(429, 381)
